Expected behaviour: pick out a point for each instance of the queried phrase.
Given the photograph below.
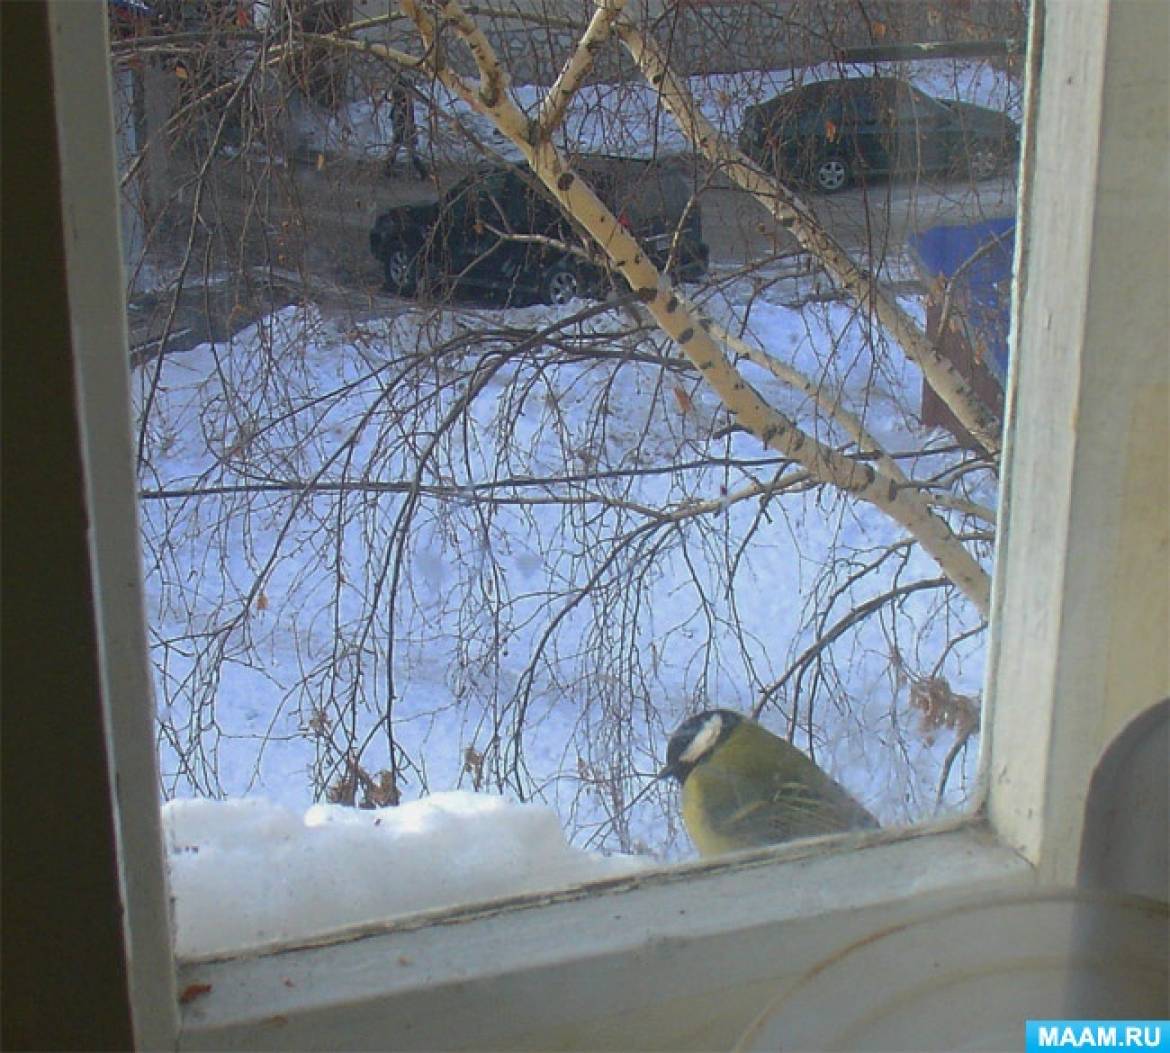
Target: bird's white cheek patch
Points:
(703, 741)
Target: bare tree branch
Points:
(795, 216)
(690, 333)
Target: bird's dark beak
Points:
(670, 771)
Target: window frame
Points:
(642, 945)
(93, 267)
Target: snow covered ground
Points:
(287, 583)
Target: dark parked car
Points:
(499, 230)
(829, 134)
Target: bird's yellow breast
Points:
(722, 789)
(696, 815)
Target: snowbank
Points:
(247, 871)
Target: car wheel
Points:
(401, 271)
(831, 174)
(560, 284)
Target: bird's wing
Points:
(824, 802)
(806, 807)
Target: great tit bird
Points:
(743, 787)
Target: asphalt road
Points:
(320, 215)
(737, 227)
(872, 221)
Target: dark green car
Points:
(831, 134)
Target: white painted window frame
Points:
(613, 965)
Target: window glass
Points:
(453, 537)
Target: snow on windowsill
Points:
(248, 872)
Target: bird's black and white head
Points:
(695, 739)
